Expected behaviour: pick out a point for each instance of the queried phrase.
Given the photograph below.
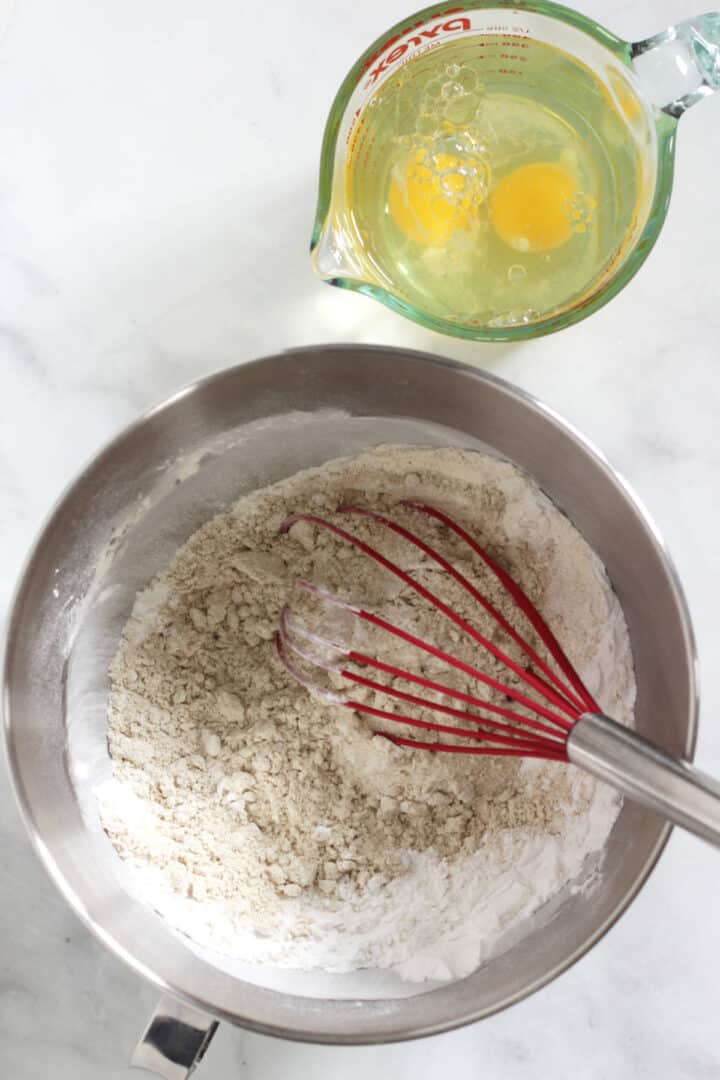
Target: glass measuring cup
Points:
(401, 252)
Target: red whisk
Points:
(559, 720)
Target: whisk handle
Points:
(643, 772)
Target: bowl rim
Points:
(299, 1033)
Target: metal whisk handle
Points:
(646, 774)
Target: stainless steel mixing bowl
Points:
(150, 489)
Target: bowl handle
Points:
(175, 1040)
(680, 65)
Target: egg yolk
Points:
(429, 205)
(530, 208)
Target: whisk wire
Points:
(521, 599)
(521, 735)
(468, 586)
(486, 730)
(527, 676)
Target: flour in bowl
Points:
(273, 827)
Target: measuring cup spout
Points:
(680, 65)
(334, 254)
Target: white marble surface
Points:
(157, 184)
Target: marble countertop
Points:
(157, 183)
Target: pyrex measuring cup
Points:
(638, 90)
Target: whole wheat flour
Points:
(273, 826)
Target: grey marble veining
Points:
(157, 181)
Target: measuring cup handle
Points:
(175, 1040)
(680, 65)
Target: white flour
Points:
(272, 827)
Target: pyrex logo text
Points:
(417, 39)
